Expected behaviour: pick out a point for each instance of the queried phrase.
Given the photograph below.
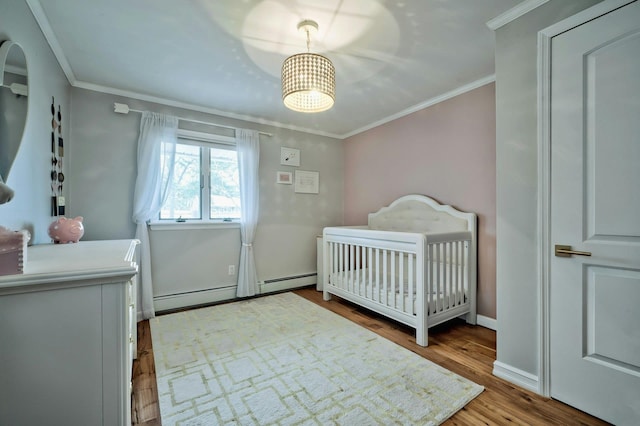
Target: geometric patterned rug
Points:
(282, 360)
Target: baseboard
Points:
(487, 322)
(194, 298)
(288, 283)
(516, 376)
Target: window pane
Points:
(224, 184)
(183, 200)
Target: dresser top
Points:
(85, 260)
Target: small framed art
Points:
(289, 156)
(285, 178)
(307, 182)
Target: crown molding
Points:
(49, 35)
(197, 108)
(429, 102)
(162, 101)
(514, 13)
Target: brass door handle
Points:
(565, 251)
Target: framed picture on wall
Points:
(284, 178)
(289, 156)
(307, 182)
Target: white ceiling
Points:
(224, 56)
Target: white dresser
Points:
(67, 335)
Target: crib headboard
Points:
(419, 213)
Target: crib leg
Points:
(326, 296)
(471, 318)
(422, 335)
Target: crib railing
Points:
(404, 272)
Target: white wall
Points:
(516, 184)
(102, 161)
(30, 174)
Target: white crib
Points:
(415, 263)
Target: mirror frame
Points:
(6, 193)
(5, 48)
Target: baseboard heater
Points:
(171, 302)
(175, 301)
(286, 283)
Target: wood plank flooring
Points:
(466, 350)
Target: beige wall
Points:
(446, 151)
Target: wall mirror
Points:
(13, 106)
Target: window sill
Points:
(188, 225)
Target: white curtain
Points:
(248, 145)
(158, 137)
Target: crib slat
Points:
(466, 275)
(401, 289)
(458, 275)
(378, 275)
(443, 276)
(385, 289)
(393, 278)
(411, 293)
(430, 278)
(334, 264)
(443, 261)
(342, 267)
(439, 277)
(370, 292)
(331, 262)
(454, 268)
(363, 277)
(450, 291)
(351, 268)
(357, 272)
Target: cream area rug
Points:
(283, 360)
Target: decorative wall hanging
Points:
(57, 154)
(307, 182)
(284, 178)
(289, 156)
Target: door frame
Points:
(544, 178)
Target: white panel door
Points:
(595, 207)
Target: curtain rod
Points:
(124, 109)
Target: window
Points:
(206, 185)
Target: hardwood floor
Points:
(466, 350)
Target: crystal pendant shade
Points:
(308, 82)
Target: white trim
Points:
(172, 225)
(487, 322)
(163, 101)
(585, 16)
(515, 375)
(49, 35)
(429, 102)
(514, 13)
(544, 177)
(211, 138)
(183, 300)
(544, 208)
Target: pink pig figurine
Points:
(66, 230)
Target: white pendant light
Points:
(308, 79)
